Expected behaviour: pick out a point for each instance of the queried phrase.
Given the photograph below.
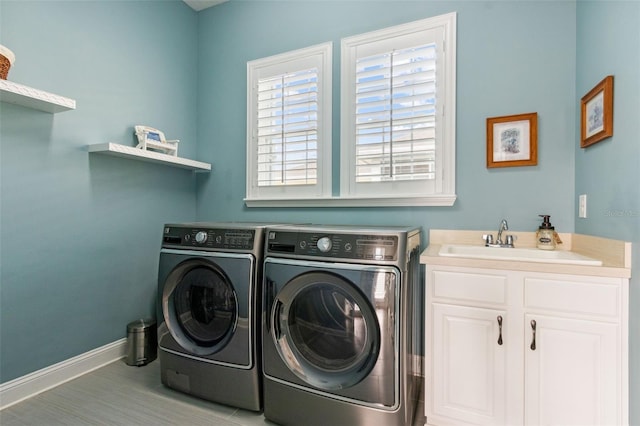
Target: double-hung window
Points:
(398, 114)
(289, 125)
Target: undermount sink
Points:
(517, 254)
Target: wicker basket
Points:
(7, 58)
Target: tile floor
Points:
(118, 394)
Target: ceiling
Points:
(199, 5)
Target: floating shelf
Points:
(118, 150)
(29, 97)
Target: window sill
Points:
(434, 200)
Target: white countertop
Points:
(615, 255)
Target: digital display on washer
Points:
(234, 239)
(238, 239)
(347, 246)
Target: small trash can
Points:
(142, 342)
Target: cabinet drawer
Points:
(470, 286)
(579, 297)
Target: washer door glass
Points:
(205, 307)
(326, 330)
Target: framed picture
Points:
(512, 140)
(596, 117)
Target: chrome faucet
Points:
(503, 227)
(488, 239)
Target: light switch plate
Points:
(582, 206)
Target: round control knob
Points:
(324, 244)
(201, 237)
(303, 244)
(348, 247)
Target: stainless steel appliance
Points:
(208, 319)
(340, 306)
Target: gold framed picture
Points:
(512, 140)
(596, 113)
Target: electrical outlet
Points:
(582, 206)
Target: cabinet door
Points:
(572, 375)
(468, 383)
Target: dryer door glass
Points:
(205, 306)
(327, 327)
(326, 330)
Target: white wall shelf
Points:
(29, 97)
(124, 151)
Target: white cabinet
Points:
(469, 364)
(575, 368)
(571, 377)
(515, 347)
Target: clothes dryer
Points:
(339, 344)
(208, 319)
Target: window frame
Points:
(442, 191)
(444, 194)
(319, 56)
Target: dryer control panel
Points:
(334, 245)
(216, 238)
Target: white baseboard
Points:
(39, 381)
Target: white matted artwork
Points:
(512, 140)
(595, 115)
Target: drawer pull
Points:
(533, 328)
(500, 328)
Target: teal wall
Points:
(80, 232)
(608, 43)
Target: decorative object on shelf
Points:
(596, 118)
(7, 58)
(512, 140)
(150, 138)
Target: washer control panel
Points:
(346, 246)
(233, 239)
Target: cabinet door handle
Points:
(500, 328)
(533, 329)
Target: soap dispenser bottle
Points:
(545, 237)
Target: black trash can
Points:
(142, 342)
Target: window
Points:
(397, 135)
(289, 125)
(395, 113)
(398, 114)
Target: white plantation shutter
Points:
(289, 125)
(288, 129)
(398, 113)
(395, 115)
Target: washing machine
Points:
(208, 319)
(339, 310)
